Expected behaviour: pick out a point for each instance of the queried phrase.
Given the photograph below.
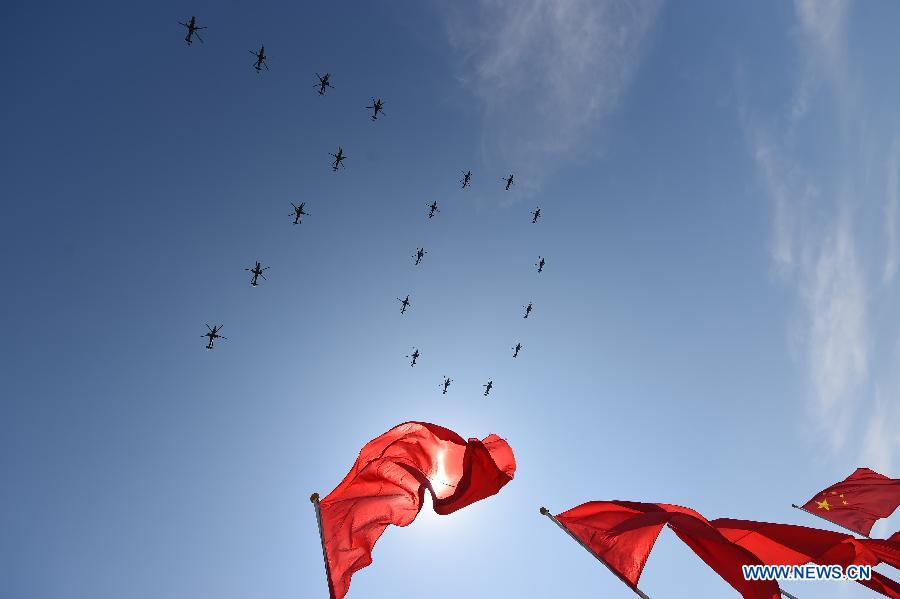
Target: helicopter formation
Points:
(298, 211)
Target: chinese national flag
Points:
(786, 544)
(857, 501)
(622, 534)
(387, 485)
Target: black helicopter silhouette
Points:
(377, 106)
(213, 334)
(338, 159)
(324, 82)
(420, 252)
(192, 30)
(404, 304)
(298, 212)
(467, 177)
(414, 356)
(527, 310)
(260, 59)
(536, 214)
(487, 388)
(257, 272)
(432, 208)
(446, 384)
(509, 181)
(517, 349)
(540, 264)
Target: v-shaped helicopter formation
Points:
(257, 271)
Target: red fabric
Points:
(623, 533)
(387, 485)
(882, 584)
(786, 544)
(857, 501)
(886, 550)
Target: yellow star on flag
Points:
(823, 505)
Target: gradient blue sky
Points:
(718, 323)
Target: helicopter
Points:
(404, 304)
(192, 30)
(260, 59)
(257, 272)
(338, 159)
(298, 212)
(420, 253)
(377, 106)
(213, 334)
(324, 82)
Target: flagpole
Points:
(785, 593)
(314, 498)
(546, 512)
(827, 520)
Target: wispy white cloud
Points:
(834, 293)
(823, 22)
(890, 213)
(547, 71)
(822, 25)
(816, 248)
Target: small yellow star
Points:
(823, 505)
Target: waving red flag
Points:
(786, 544)
(857, 501)
(622, 534)
(387, 485)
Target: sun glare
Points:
(439, 479)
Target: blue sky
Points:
(717, 325)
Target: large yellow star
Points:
(823, 505)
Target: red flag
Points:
(786, 544)
(857, 501)
(387, 486)
(622, 534)
(882, 584)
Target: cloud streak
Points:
(890, 213)
(816, 250)
(546, 72)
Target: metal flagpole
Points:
(314, 498)
(827, 520)
(785, 593)
(547, 513)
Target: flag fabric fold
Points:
(857, 501)
(387, 485)
(622, 534)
